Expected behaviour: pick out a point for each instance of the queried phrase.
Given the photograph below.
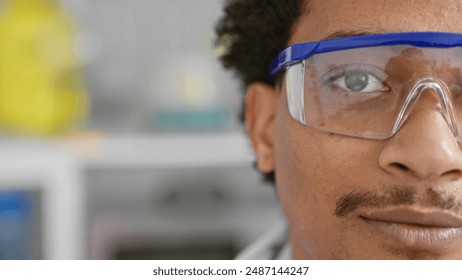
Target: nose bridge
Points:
(424, 86)
(425, 147)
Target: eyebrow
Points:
(338, 34)
(351, 33)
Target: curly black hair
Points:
(251, 33)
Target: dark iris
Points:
(356, 80)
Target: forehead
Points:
(323, 19)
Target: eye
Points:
(357, 78)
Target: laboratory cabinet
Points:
(174, 196)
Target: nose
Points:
(425, 146)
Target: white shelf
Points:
(170, 151)
(57, 170)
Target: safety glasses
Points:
(367, 86)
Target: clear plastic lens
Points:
(295, 91)
(367, 92)
(355, 78)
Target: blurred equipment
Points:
(41, 87)
(186, 96)
(18, 232)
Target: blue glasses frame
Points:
(299, 52)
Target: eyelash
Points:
(338, 72)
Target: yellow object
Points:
(41, 87)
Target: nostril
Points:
(400, 166)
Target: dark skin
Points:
(329, 183)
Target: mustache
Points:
(396, 196)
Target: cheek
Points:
(308, 176)
(313, 170)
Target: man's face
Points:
(351, 198)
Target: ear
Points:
(260, 111)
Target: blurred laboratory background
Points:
(120, 134)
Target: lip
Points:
(414, 228)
